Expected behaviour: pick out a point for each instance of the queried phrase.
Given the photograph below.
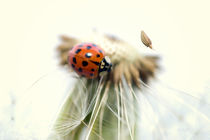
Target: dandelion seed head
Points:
(126, 59)
(114, 98)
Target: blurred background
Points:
(30, 30)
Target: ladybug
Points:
(89, 60)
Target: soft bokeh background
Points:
(29, 34)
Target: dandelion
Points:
(106, 108)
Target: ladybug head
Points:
(105, 66)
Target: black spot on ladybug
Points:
(77, 51)
(98, 55)
(73, 65)
(80, 69)
(96, 63)
(91, 74)
(74, 60)
(88, 55)
(92, 70)
(94, 45)
(100, 51)
(84, 63)
(89, 47)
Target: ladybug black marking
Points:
(89, 47)
(94, 45)
(84, 63)
(80, 69)
(77, 51)
(96, 63)
(73, 65)
(91, 74)
(74, 60)
(98, 55)
(92, 70)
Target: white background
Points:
(30, 30)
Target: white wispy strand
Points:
(125, 111)
(171, 100)
(179, 98)
(118, 112)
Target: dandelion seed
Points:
(145, 40)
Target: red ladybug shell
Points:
(85, 58)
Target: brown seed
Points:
(145, 40)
